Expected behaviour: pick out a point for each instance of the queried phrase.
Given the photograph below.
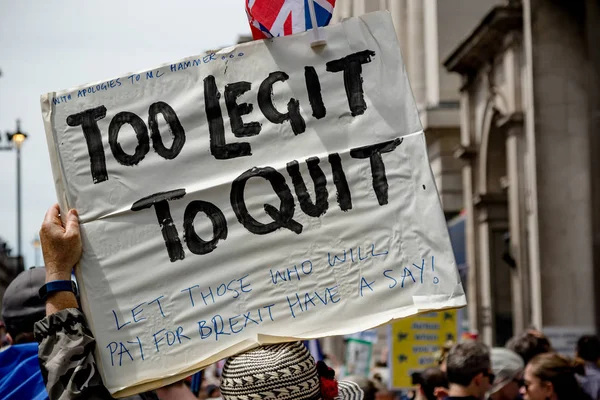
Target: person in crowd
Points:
(529, 344)
(20, 374)
(442, 354)
(213, 392)
(588, 350)
(468, 369)
(508, 370)
(175, 391)
(380, 374)
(432, 384)
(369, 387)
(5, 339)
(549, 376)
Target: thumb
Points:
(72, 226)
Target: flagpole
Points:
(319, 39)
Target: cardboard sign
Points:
(414, 342)
(358, 357)
(254, 195)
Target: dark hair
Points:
(429, 380)
(465, 361)
(210, 389)
(529, 345)
(588, 348)
(560, 371)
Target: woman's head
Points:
(550, 376)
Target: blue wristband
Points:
(57, 286)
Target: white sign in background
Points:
(261, 193)
(563, 339)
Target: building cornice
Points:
(486, 40)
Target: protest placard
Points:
(264, 192)
(414, 343)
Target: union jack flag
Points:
(272, 18)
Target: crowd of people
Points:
(527, 368)
(47, 352)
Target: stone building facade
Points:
(427, 30)
(509, 97)
(529, 139)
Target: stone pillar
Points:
(515, 152)
(562, 140)
(494, 306)
(358, 7)
(397, 9)
(593, 38)
(431, 56)
(466, 153)
(416, 50)
(486, 325)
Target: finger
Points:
(72, 226)
(52, 216)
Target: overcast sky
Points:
(50, 46)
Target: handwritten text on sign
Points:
(252, 195)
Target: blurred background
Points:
(509, 97)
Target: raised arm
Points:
(66, 350)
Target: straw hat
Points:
(284, 371)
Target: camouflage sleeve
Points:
(66, 355)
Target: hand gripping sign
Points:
(261, 193)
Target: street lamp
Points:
(17, 138)
(37, 245)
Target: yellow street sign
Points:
(414, 342)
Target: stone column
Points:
(416, 50)
(358, 7)
(466, 153)
(593, 38)
(485, 311)
(515, 152)
(564, 179)
(397, 8)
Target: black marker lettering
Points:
(218, 148)
(352, 67)
(93, 138)
(320, 182)
(141, 132)
(313, 87)
(339, 178)
(282, 218)
(219, 223)
(174, 127)
(235, 110)
(163, 214)
(265, 102)
(373, 152)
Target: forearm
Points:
(66, 347)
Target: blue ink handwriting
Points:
(235, 286)
(306, 268)
(340, 259)
(219, 326)
(135, 312)
(307, 299)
